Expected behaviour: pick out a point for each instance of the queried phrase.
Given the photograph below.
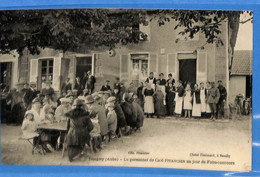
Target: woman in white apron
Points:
(179, 99)
(148, 100)
(151, 80)
(196, 107)
(162, 85)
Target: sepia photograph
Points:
(160, 88)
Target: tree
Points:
(206, 22)
(67, 29)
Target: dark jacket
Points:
(105, 88)
(65, 87)
(29, 96)
(79, 126)
(139, 115)
(223, 93)
(130, 113)
(121, 121)
(79, 87)
(197, 96)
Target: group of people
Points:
(161, 97)
(92, 118)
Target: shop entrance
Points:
(187, 71)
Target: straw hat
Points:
(89, 99)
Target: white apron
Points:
(178, 107)
(196, 108)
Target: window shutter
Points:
(153, 64)
(56, 74)
(34, 70)
(202, 67)
(171, 64)
(124, 65)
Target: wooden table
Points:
(57, 126)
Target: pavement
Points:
(163, 142)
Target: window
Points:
(139, 68)
(46, 71)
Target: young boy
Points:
(95, 135)
(112, 121)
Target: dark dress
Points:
(170, 104)
(79, 87)
(159, 107)
(140, 115)
(90, 84)
(130, 113)
(140, 96)
(79, 127)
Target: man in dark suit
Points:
(106, 87)
(78, 86)
(29, 95)
(222, 99)
(90, 83)
(66, 86)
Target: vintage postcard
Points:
(163, 88)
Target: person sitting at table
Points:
(39, 119)
(62, 109)
(63, 95)
(79, 126)
(95, 108)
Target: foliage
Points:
(67, 29)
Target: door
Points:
(139, 68)
(46, 72)
(84, 64)
(187, 70)
(6, 74)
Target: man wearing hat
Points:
(222, 99)
(66, 86)
(62, 109)
(94, 108)
(48, 90)
(80, 126)
(106, 87)
(121, 122)
(30, 94)
(117, 84)
(112, 120)
(17, 107)
(90, 83)
(78, 86)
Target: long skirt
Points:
(203, 104)
(74, 150)
(159, 108)
(178, 107)
(149, 105)
(162, 87)
(196, 108)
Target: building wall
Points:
(237, 86)
(162, 49)
(13, 58)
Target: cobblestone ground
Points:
(159, 139)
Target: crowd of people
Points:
(97, 116)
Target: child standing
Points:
(95, 136)
(112, 121)
(187, 101)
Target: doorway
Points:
(6, 75)
(187, 71)
(84, 64)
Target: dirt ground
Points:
(159, 140)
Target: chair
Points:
(34, 146)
